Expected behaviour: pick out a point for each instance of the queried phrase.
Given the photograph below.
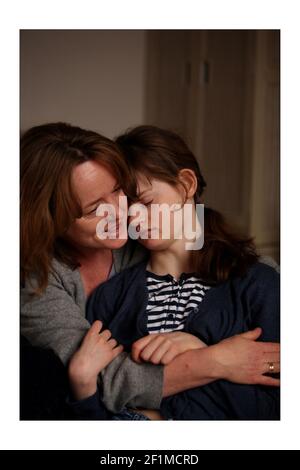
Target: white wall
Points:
(94, 79)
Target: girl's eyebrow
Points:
(145, 191)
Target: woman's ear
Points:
(188, 179)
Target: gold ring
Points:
(271, 366)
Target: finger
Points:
(266, 380)
(271, 368)
(271, 357)
(105, 334)
(168, 357)
(96, 327)
(252, 334)
(271, 347)
(151, 347)
(112, 343)
(116, 351)
(139, 345)
(160, 352)
(93, 333)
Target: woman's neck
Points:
(174, 260)
(95, 267)
(87, 256)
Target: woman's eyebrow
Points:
(94, 202)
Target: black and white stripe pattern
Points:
(171, 301)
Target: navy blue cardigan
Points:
(232, 307)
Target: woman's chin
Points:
(112, 243)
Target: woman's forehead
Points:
(92, 179)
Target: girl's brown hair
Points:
(161, 154)
(48, 203)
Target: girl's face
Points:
(159, 192)
(95, 185)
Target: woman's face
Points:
(95, 185)
(158, 192)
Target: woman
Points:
(66, 172)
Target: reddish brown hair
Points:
(161, 154)
(48, 203)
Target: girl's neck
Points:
(174, 261)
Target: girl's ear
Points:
(188, 178)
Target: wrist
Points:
(82, 385)
(83, 389)
(203, 364)
(216, 364)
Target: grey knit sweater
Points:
(56, 320)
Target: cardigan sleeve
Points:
(53, 319)
(264, 301)
(90, 408)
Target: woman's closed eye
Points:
(92, 212)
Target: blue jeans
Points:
(130, 415)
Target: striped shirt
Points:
(170, 301)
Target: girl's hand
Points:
(95, 353)
(162, 348)
(241, 359)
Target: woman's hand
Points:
(97, 350)
(162, 348)
(238, 359)
(241, 359)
